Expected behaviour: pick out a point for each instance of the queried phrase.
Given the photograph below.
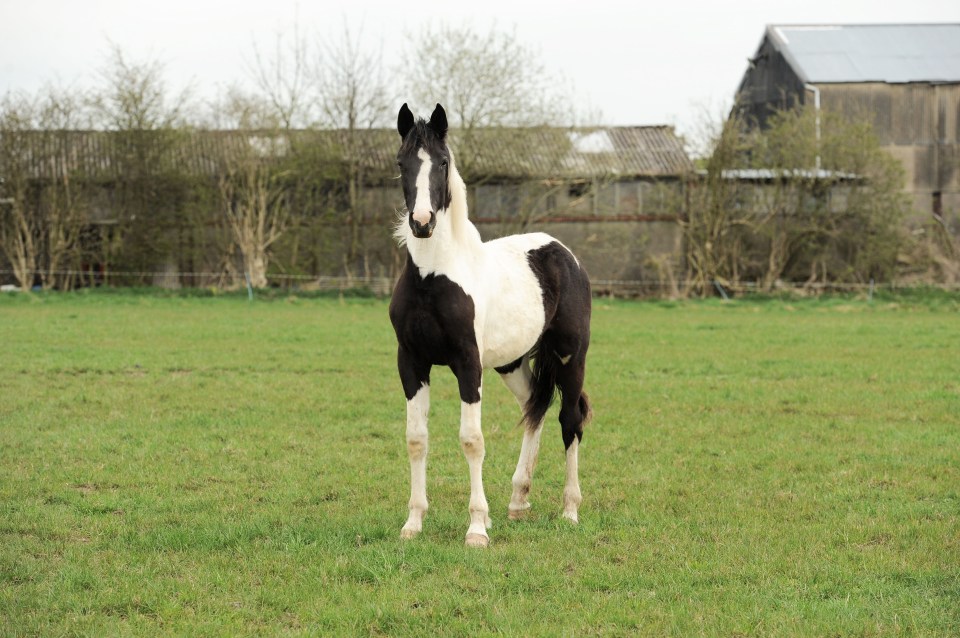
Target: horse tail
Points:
(544, 383)
(546, 370)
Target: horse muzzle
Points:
(422, 224)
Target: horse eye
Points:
(443, 163)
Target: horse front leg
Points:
(469, 377)
(416, 386)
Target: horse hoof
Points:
(572, 517)
(407, 534)
(477, 540)
(519, 515)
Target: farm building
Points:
(614, 194)
(905, 78)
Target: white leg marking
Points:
(471, 440)
(519, 382)
(523, 476)
(571, 492)
(418, 409)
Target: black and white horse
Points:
(468, 304)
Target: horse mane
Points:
(421, 135)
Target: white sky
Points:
(661, 62)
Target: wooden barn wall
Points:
(918, 124)
(769, 84)
(620, 229)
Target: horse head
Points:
(425, 163)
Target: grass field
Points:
(209, 466)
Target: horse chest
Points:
(433, 317)
(437, 318)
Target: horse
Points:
(519, 304)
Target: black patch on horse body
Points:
(566, 336)
(433, 319)
(510, 367)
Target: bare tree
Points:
(253, 203)
(63, 202)
(857, 237)
(282, 80)
(239, 109)
(487, 81)
(352, 97)
(484, 80)
(17, 226)
(714, 218)
(133, 96)
(784, 218)
(146, 126)
(41, 207)
(349, 83)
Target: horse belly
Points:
(514, 319)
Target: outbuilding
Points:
(904, 78)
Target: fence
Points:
(383, 286)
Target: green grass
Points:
(209, 466)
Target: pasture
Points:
(210, 466)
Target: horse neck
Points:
(464, 231)
(455, 238)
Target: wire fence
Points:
(225, 280)
(383, 286)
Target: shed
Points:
(904, 77)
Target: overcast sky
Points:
(636, 62)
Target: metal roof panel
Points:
(544, 153)
(894, 53)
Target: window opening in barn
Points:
(579, 200)
(937, 204)
(578, 189)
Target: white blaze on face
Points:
(422, 207)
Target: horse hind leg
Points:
(574, 411)
(519, 379)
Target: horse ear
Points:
(404, 120)
(438, 122)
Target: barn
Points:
(905, 78)
(613, 193)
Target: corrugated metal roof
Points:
(769, 174)
(515, 154)
(651, 151)
(892, 53)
